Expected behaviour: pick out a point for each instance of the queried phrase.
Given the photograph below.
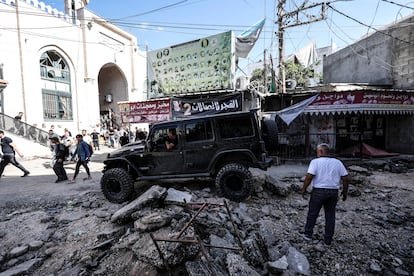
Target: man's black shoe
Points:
(25, 174)
(61, 179)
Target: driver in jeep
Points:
(172, 139)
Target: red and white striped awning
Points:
(362, 102)
(397, 109)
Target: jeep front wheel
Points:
(117, 185)
(235, 182)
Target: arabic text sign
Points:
(187, 107)
(365, 97)
(148, 111)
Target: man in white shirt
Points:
(88, 139)
(326, 174)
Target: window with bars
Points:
(56, 91)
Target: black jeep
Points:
(222, 147)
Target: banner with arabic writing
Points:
(198, 107)
(145, 112)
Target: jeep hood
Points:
(127, 149)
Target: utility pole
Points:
(282, 76)
(264, 72)
(291, 19)
(148, 66)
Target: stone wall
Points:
(385, 57)
(403, 61)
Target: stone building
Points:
(66, 68)
(367, 98)
(382, 63)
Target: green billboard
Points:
(204, 64)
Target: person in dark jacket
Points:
(9, 149)
(124, 139)
(84, 155)
(18, 125)
(95, 139)
(60, 155)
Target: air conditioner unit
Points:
(242, 82)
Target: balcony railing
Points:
(27, 131)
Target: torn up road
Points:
(70, 229)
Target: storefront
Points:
(347, 119)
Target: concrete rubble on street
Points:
(183, 228)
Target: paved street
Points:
(41, 181)
(40, 184)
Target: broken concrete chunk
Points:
(176, 196)
(152, 195)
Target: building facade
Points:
(385, 57)
(66, 68)
(382, 61)
(367, 99)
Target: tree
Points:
(295, 70)
(257, 75)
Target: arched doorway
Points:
(113, 88)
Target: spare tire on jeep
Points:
(270, 132)
(235, 182)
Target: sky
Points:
(162, 23)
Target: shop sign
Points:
(370, 102)
(198, 107)
(364, 97)
(145, 112)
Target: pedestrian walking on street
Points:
(9, 150)
(95, 139)
(60, 155)
(18, 125)
(325, 173)
(84, 154)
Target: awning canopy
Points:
(362, 102)
(360, 109)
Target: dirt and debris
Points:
(177, 228)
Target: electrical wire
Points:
(401, 5)
(373, 19)
(363, 24)
(374, 59)
(155, 10)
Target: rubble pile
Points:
(175, 231)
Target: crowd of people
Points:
(65, 147)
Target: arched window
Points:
(56, 88)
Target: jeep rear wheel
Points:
(235, 182)
(117, 185)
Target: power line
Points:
(355, 51)
(155, 10)
(377, 30)
(156, 24)
(401, 5)
(36, 28)
(373, 18)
